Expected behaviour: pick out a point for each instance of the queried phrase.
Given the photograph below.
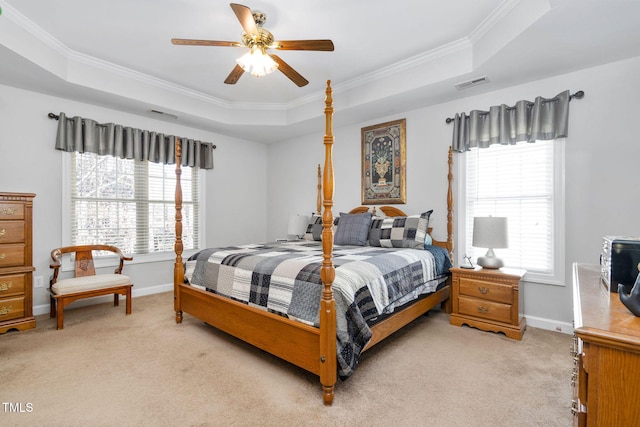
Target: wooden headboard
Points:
(360, 209)
(387, 210)
(391, 211)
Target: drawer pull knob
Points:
(5, 286)
(3, 232)
(8, 211)
(5, 310)
(483, 290)
(482, 309)
(3, 256)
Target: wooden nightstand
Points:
(488, 300)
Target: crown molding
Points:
(36, 31)
(493, 20)
(75, 61)
(71, 56)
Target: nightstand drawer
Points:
(11, 308)
(12, 285)
(490, 291)
(484, 309)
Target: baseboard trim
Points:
(550, 324)
(149, 290)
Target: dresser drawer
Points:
(12, 285)
(11, 308)
(11, 211)
(12, 255)
(11, 232)
(484, 309)
(486, 290)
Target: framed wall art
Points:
(384, 163)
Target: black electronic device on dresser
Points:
(620, 261)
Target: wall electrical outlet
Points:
(38, 282)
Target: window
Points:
(130, 204)
(524, 183)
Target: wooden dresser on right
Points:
(606, 377)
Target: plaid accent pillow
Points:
(353, 229)
(314, 228)
(400, 231)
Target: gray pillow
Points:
(353, 229)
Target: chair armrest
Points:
(55, 264)
(122, 256)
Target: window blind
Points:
(130, 204)
(516, 182)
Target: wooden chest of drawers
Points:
(606, 373)
(16, 269)
(488, 300)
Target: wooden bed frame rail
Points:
(313, 349)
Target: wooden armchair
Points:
(86, 283)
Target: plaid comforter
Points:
(285, 278)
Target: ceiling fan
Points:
(259, 40)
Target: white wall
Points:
(235, 188)
(250, 178)
(601, 169)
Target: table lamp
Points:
(297, 225)
(490, 232)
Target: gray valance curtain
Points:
(542, 119)
(108, 139)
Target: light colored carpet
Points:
(108, 369)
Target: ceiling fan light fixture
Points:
(257, 63)
(259, 40)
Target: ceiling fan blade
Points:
(234, 75)
(289, 72)
(246, 18)
(323, 45)
(193, 42)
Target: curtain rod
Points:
(578, 95)
(57, 117)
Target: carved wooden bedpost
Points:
(319, 202)
(178, 268)
(328, 365)
(450, 206)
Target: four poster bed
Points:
(262, 305)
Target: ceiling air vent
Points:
(473, 82)
(173, 116)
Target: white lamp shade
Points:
(257, 63)
(490, 232)
(297, 225)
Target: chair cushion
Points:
(89, 283)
